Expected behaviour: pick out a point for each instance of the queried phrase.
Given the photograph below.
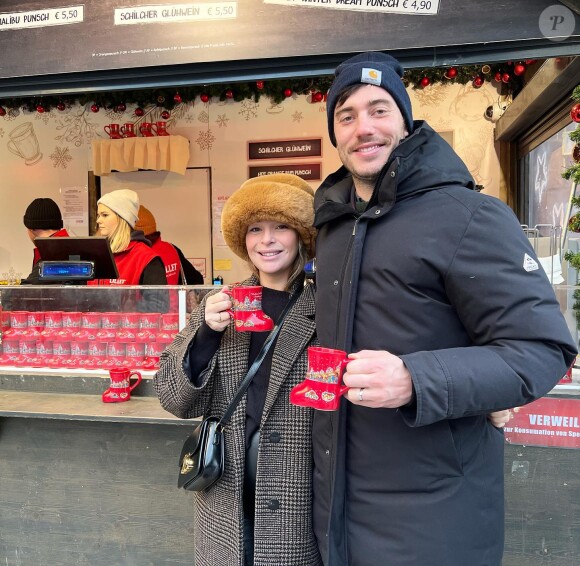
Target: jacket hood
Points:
(139, 236)
(423, 161)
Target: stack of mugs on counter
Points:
(85, 340)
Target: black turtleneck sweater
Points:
(207, 341)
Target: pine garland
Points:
(572, 173)
(505, 74)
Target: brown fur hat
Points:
(283, 197)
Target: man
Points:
(439, 298)
(176, 264)
(42, 219)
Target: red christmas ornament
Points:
(204, 97)
(165, 114)
(259, 85)
(425, 81)
(519, 69)
(477, 82)
(229, 93)
(121, 107)
(139, 111)
(497, 77)
(95, 108)
(318, 97)
(288, 92)
(575, 113)
(451, 73)
(40, 108)
(2, 111)
(177, 98)
(505, 78)
(60, 106)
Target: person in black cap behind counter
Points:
(42, 219)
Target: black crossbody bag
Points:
(201, 462)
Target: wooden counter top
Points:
(70, 406)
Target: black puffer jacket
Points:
(444, 277)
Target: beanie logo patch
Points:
(371, 76)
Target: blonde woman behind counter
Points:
(136, 262)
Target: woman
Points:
(259, 512)
(136, 262)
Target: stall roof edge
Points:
(276, 68)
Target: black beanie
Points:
(43, 214)
(373, 68)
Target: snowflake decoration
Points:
(44, 116)
(249, 109)
(205, 140)
(203, 117)
(222, 121)
(60, 157)
(190, 118)
(431, 95)
(297, 117)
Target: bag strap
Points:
(257, 362)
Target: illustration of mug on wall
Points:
(24, 144)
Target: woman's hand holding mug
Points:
(217, 306)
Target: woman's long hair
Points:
(120, 238)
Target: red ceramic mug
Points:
(145, 130)
(113, 131)
(247, 310)
(120, 389)
(128, 130)
(160, 128)
(322, 387)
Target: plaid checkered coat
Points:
(283, 523)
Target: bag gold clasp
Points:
(186, 464)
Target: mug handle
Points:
(228, 292)
(154, 128)
(139, 378)
(12, 147)
(122, 129)
(107, 130)
(343, 388)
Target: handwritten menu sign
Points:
(41, 18)
(415, 7)
(283, 149)
(308, 171)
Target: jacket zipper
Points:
(342, 276)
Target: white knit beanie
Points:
(123, 202)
